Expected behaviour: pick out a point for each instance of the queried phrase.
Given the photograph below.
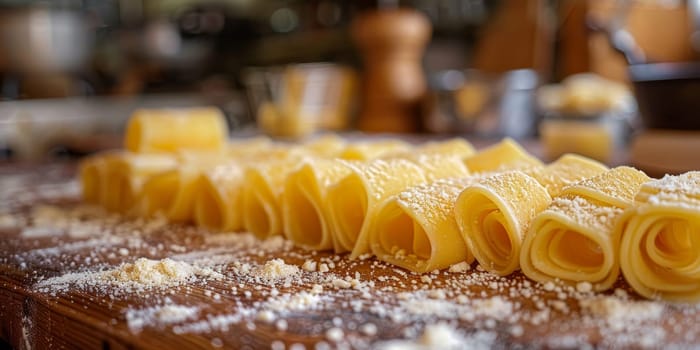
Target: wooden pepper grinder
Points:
(392, 42)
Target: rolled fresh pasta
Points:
(218, 202)
(171, 193)
(416, 228)
(566, 170)
(432, 167)
(169, 130)
(572, 240)
(355, 197)
(505, 155)
(366, 150)
(493, 215)
(452, 147)
(304, 210)
(262, 195)
(660, 245)
(329, 145)
(124, 174)
(91, 173)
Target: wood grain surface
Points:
(45, 232)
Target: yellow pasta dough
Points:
(91, 174)
(355, 197)
(329, 145)
(416, 228)
(505, 155)
(123, 174)
(304, 210)
(453, 147)
(169, 130)
(431, 168)
(262, 195)
(366, 150)
(565, 171)
(660, 239)
(218, 201)
(493, 215)
(572, 240)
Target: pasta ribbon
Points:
(367, 150)
(572, 240)
(123, 174)
(493, 215)
(506, 154)
(416, 228)
(660, 239)
(170, 130)
(262, 195)
(355, 197)
(565, 171)
(304, 210)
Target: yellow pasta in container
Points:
(573, 240)
(416, 228)
(505, 155)
(660, 239)
(304, 210)
(169, 130)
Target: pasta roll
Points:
(436, 167)
(245, 147)
(219, 201)
(416, 228)
(304, 211)
(493, 215)
(262, 195)
(169, 130)
(433, 167)
(453, 147)
(366, 150)
(565, 171)
(172, 193)
(124, 175)
(329, 145)
(356, 196)
(659, 239)
(572, 240)
(92, 172)
(504, 155)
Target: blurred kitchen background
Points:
(613, 79)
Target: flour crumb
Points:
(459, 267)
(276, 269)
(335, 334)
(309, 265)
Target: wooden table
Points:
(46, 232)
